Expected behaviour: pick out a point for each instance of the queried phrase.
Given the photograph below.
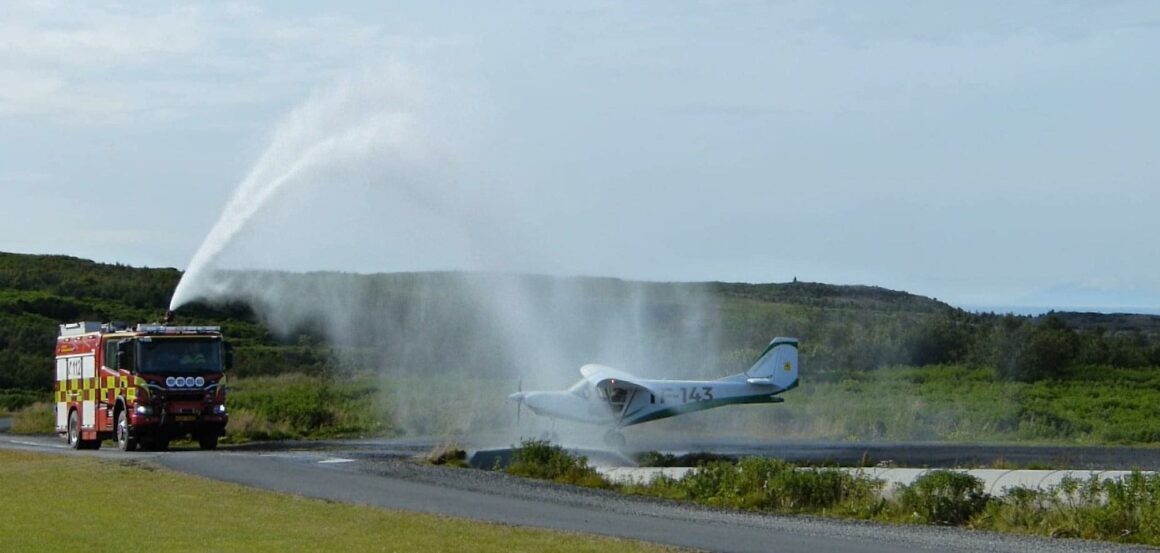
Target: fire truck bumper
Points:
(173, 425)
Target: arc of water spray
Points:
(290, 157)
(251, 196)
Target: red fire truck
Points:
(142, 385)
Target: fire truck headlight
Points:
(144, 410)
(219, 409)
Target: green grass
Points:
(53, 503)
(38, 418)
(772, 485)
(295, 406)
(1126, 510)
(288, 406)
(951, 403)
(13, 400)
(940, 403)
(542, 460)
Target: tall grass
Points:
(773, 485)
(38, 418)
(288, 406)
(542, 460)
(291, 406)
(14, 400)
(1124, 510)
(1093, 405)
(952, 403)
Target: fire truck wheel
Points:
(74, 431)
(125, 441)
(74, 434)
(207, 441)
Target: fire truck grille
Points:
(184, 395)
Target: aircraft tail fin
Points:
(777, 365)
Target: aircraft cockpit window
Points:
(618, 396)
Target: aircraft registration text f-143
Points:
(606, 396)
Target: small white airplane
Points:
(606, 396)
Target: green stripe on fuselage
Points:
(702, 405)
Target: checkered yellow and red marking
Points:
(97, 388)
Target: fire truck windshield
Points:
(180, 356)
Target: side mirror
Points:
(229, 364)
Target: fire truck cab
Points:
(140, 386)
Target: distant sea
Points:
(1040, 310)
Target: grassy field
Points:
(939, 403)
(951, 403)
(295, 406)
(54, 503)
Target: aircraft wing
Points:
(596, 373)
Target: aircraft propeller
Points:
(519, 404)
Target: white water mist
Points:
(368, 120)
(449, 346)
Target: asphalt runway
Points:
(378, 472)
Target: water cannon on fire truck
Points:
(142, 385)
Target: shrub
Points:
(448, 453)
(301, 406)
(540, 459)
(13, 400)
(1122, 509)
(762, 484)
(944, 497)
(38, 418)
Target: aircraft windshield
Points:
(180, 356)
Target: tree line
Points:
(842, 328)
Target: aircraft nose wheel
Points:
(613, 438)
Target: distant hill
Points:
(832, 295)
(843, 328)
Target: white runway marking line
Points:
(336, 460)
(35, 444)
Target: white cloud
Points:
(115, 63)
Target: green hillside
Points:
(409, 328)
(843, 328)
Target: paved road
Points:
(384, 479)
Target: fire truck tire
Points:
(74, 434)
(207, 441)
(125, 441)
(74, 431)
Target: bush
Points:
(300, 406)
(448, 453)
(540, 459)
(14, 400)
(38, 418)
(762, 484)
(944, 497)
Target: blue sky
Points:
(985, 153)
